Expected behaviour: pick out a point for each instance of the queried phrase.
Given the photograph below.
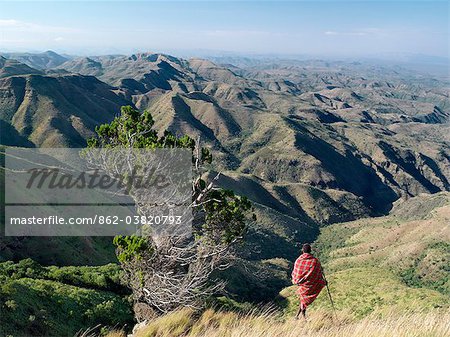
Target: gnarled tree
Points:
(168, 272)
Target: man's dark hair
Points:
(306, 248)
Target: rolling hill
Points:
(388, 277)
(398, 262)
(42, 61)
(326, 115)
(52, 110)
(318, 146)
(312, 143)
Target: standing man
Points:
(307, 274)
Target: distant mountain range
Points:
(310, 142)
(41, 61)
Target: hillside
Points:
(10, 67)
(384, 274)
(319, 147)
(388, 277)
(51, 301)
(320, 324)
(42, 61)
(52, 110)
(333, 118)
(398, 262)
(311, 143)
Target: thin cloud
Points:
(9, 23)
(236, 33)
(12, 25)
(360, 32)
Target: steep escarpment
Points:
(54, 111)
(310, 142)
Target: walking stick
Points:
(299, 311)
(329, 295)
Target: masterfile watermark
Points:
(106, 192)
(54, 178)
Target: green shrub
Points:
(52, 301)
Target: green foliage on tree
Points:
(130, 247)
(134, 130)
(221, 219)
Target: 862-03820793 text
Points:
(99, 219)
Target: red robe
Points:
(307, 274)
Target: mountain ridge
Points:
(324, 142)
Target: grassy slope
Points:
(395, 262)
(52, 301)
(361, 291)
(320, 324)
(366, 262)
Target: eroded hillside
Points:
(310, 142)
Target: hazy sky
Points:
(299, 27)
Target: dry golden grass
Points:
(117, 333)
(319, 324)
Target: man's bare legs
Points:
(302, 310)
